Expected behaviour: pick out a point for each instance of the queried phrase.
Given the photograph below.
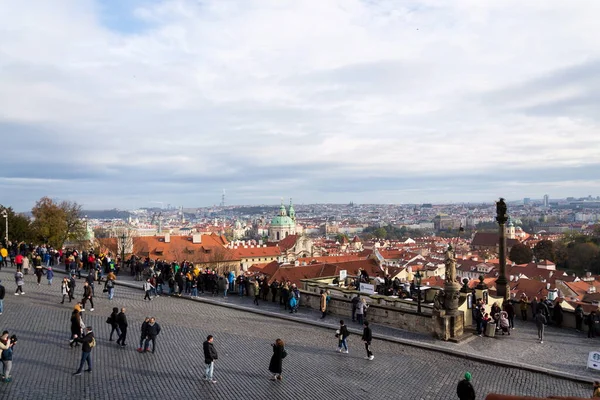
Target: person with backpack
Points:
(464, 389)
(342, 335)
(88, 343)
(276, 363)
(294, 299)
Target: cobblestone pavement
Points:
(563, 350)
(43, 362)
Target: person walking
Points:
(87, 295)
(122, 323)
(342, 335)
(509, 308)
(557, 313)
(2, 294)
(88, 343)
(6, 347)
(20, 282)
(109, 286)
(276, 364)
(367, 337)
(596, 392)
(39, 270)
(72, 284)
(323, 304)
(210, 356)
(64, 289)
(464, 389)
(143, 331)
(540, 323)
(49, 275)
(148, 288)
(152, 331)
(76, 324)
(112, 320)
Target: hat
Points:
(468, 376)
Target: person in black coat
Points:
(122, 322)
(152, 331)
(112, 320)
(276, 364)
(210, 356)
(88, 342)
(367, 337)
(143, 331)
(465, 390)
(557, 313)
(75, 327)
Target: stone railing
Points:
(399, 313)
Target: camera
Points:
(13, 339)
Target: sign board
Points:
(366, 288)
(343, 275)
(594, 360)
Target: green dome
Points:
(282, 220)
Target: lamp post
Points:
(5, 215)
(123, 238)
(418, 277)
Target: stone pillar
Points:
(502, 287)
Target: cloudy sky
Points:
(127, 103)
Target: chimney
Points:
(512, 278)
(548, 286)
(296, 263)
(167, 238)
(196, 238)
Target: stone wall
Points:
(379, 311)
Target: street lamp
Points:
(418, 277)
(5, 215)
(123, 238)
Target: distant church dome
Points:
(283, 225)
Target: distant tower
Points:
(223, 199)
(546, 200)
(292, 212)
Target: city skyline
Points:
(128, 103)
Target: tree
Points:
(544, 250)
(19, 227)
(520, 254)
(380, 233)
(56, 223)
(582, 256)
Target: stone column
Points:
(502, 287)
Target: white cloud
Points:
(282, 95)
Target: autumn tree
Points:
(544, 250)
(520, 254)
(55, 223)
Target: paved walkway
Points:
(43, 362)
(563, 352)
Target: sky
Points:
(133, 103)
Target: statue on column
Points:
(501, 216)
(450, 265)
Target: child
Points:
(49, 275)
(504, 324)
(19, 281)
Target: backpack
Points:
(93, 343)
